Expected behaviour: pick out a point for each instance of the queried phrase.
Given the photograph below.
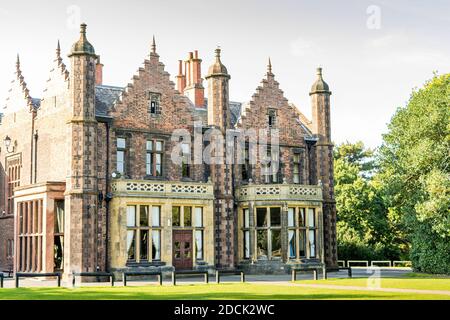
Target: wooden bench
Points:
(233, 272)
(143, 273)
(110, 275)
(315, 271)
(189, 273)
(349, 271)
(37, 275)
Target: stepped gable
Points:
(132, 107)
(269, 99)
(19, 96)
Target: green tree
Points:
(362, 227)
(415, 174)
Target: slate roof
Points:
(105, 96)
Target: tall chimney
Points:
(181, 78)
(194, 89)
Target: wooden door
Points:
(182, 249)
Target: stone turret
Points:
(218, 95)
(323, 159)
(221, 173)
(81, 195)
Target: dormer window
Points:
(272, 116)
(154, 107)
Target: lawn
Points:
(201, 292)
(410, 281)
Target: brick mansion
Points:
(87, 181)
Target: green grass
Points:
(419, 282)
(202, 292)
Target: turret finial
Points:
(18, 63)
(154, 45)
(269, 66)
(319, 72)
(218, 52)
(82, 46)
(83, 29)
(58, 50)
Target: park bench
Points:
(314, 269)
(188, 273)
(37, 275)
(349, 271)
(110, 275)
(143, 273)
(10, 273)
(232, 272)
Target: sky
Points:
(373, 53)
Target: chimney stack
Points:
(98, 72)
(193, 82)
(181, 78)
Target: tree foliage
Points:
(363, 229)
(415, 174)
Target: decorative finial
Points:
(83, 28)
(18, 63)
(218, 52)
(154, 45)
(269, 66)
(58, 50)
(319, 72)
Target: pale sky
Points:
(373, 52)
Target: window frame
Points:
(122, 150)
(139, 229)
(154, 104)
(305, 230)
(153, 153)
(296, 164)
(268, 228)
